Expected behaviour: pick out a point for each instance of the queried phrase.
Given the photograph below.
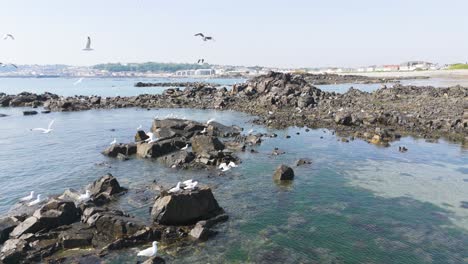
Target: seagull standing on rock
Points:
(113, 142)
(37, 201)
(175, 189)
(29, 197)
(139, 127)
(152, 137)
(184, 148)
(149, 252)
(224, 167)
(84, 197)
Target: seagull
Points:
(191, 185)
(250, 131)
(6, 36)
(88, 45)
(149, 252)
(113, 141)
(203, 131)
(78, 81)
(38, 200)
(205, 38)
(6, 64)
(187, 182)
(29, 197)
(152, 138)
(139, 127)
(210, 120)
(184, 148)
(45, 131)
(175, 189)
(201, 61)
(84, 197)
(224, 167)
(232, 165)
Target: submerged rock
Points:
(26, 113)
(185, 207)
(303, 161)
(283, 173)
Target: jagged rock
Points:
(13, 251)
(283, 173)
(7, 224)
(159, 148)
(125, 149)
(201, 232)
(253, 139)
(115, 224)
(107, 185)
(76, 236)
(185, 207)
(141, 136)
(177, 159)
(206, 144)
(343, 119)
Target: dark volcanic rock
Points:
(7, 224)
(185, 207)
(283, 173)
(102, 189)
(141, 136)
(206, 144)
(32, 112)
(160, 147)
(124, 149)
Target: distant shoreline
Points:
(457, 74)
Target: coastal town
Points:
(210, 71)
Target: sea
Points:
(356, 203)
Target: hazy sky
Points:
(288, 33)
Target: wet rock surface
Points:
(283, 173)
(282, 100)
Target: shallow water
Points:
(357, 203)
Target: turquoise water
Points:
(331, 212)
(356, 203)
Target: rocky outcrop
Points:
(176, 84)
(125, 149)
(185, 207)
(283, 173)
(160, 148)
(104, 188)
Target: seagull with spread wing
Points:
(45, 130)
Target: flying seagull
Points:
(201, 61)
(210, 120)
(88, 45)
(149, 252)
(45, 131)
(205, 38)
(7, 36)
(6, 64)
(78, 81)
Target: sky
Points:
(275, 33)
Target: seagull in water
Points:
(175, 189)
(88, 45)
(84, 197)
(149, 252)
(29, 197)
(113, 141)
(38, 200)
(45, 131)
(8, 36)
(78, 81)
